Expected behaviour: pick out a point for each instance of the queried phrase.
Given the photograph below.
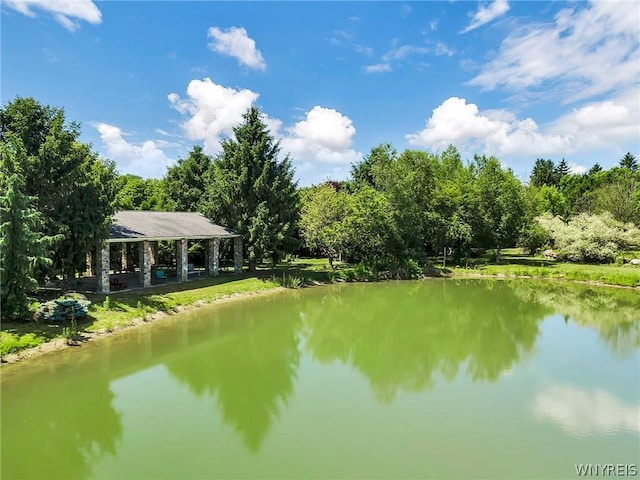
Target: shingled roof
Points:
(131, 226)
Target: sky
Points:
(519, 80)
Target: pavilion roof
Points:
(136, 225)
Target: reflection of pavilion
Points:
(147, 228)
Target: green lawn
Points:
(515, 263)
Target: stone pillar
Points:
(212, 256)
(237, 254)
(124, 257)
(182, 260)
(144, 258)
(89, 270)
(102, 267)
(154, 253)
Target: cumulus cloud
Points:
(63, 11)
(596, 125)
(146, 159)
(236, 43)
(213, 110)
(586, 51)
(583, 412)
(486, 14)
(320, 145)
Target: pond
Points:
(425, 379)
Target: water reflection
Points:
(401, 343)
(613, 312)
(249, 367)
(584, 412)
(54, 429)
(402, 337)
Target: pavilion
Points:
(146, 228)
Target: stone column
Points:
(154, 252)
(182, 260)
(144, 258)
(237, 254)
(89, 270)
(125, 258)
(102, 266)
(212, 256)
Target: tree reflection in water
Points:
(400, 340)
(250, 368)
(65, 427)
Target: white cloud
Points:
(593, 126)
(320, 145)
(442, 49)
(236, 43)
(146, 159)
(583, 412)
(486, 14)
(213, 110)
(433, 24)
(405, 10)
(377, 68)
(63, 11)
(578, 169)
(586, 51)
(398, 53)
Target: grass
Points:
(110, 313)
(517, 264)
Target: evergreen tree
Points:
(186, 182)
(22, 246)
(75, 189)
(253, 192)
(595, 169)
(543, 173)
(561, 171)
(629, 161)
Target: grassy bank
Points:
(516, 264)
(122, 309)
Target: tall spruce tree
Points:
(186, 182)
(253, 192)
(75, 189)
(629, 161)
(22, 247)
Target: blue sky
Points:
(518, 80)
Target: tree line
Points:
(58, 197)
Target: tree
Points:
(629, 161)
(370, 168)
(543, 173)
(621, 199)
(500, 203)
(136, 193)
(186, 183)
(253, 192)
(22, 247)
(75, 188)
(561, 171)
(323, 221)
(595, 169)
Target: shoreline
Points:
(58, 343)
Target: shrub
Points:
(63, 310)
(10, 342)
(534, 238)
(590, 238)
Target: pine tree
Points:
(253, 192)
(629, 161)
(561, 171)
(543, 173)
(22, 246)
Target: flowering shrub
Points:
(589, 238)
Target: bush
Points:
(10, 342)
(590, 238)
(534, 238)
(63, 310)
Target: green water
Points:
(429, 379)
